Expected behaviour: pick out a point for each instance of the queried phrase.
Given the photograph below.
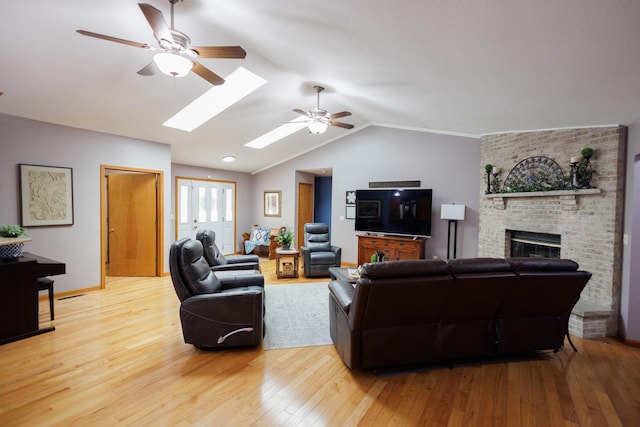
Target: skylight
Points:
(237, 85)
(278, 133)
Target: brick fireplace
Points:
(588, 222)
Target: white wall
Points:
(78, 246)
(450, 165)
(630, 293)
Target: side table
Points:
(287, 263)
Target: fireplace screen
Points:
(539, 245)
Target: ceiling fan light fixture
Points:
(317, 127)
(172, 64)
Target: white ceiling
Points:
(470, 67)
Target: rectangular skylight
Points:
(278, 133)
(237, 85)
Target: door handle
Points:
(111, 230)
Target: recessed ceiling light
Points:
(229, 159)
(278, 133)
(237, 85)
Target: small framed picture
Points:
(351, 212)
(351, 198)
(273, 203)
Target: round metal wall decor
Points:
(537, 173)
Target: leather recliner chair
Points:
(218, 262)
(317, 253)
(215, 312)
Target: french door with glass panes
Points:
(207, 205)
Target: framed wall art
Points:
(46, 195)
(273, 203)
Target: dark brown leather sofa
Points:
(404, 313)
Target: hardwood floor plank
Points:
(117, 357)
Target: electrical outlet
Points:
(625, 239)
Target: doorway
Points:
(305, 210)
(131, 218)
(204, 204)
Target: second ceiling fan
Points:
(318, 119)
(177, 57)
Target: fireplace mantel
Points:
(568, 197)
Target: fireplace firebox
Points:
(529, 244)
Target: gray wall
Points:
(32, 142)
(447, 164)
(630, 292)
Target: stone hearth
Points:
(589, 221)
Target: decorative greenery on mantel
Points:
(538, 174)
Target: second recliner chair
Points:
(218, 262)
(317, 253)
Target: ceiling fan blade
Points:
(207, 74)
(302, 113)
(341, 125)
(149, 69)
(220, 51)
(340, 114)
(115, 39)
(155, 18)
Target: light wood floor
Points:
(117, 358)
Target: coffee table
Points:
(341, 273)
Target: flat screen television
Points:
(394, 211)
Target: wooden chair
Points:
(264, 250)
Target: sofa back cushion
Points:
(400, 293)
(195, 270)
(479, 265)
(542, 264)
(212, 254)
(544, 294)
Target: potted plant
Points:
(9, 249)
(285, 238)
(587, 152)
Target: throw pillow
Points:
(260, 234)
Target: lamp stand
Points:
(455, 237)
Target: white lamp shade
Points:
(451, 211)
(172, 64)
(317, 127)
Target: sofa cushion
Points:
(322, 258)
(542, 264)
(200, 279)
(318, 242)
(405, 268)
(478, 265)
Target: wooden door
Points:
(131, 224)
(305, 210)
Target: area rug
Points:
(297, 315)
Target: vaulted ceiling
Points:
(469, 67)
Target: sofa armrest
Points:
(238, 266)
(241, 280)
(338, 251)
(237, 259)
(342, 292)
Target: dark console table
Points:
(19, 295)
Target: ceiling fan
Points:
(318, 119)
(176, 57)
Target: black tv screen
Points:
(394, 211)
